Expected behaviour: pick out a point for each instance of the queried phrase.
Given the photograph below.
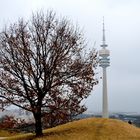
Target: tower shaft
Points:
(105, 98)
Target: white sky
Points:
(122, 22)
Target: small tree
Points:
(10, 122)
(44, 69)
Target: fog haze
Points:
(122, 24)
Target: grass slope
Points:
(89, 129)
(5, 133)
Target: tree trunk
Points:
(38, 124)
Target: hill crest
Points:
(95, 128)
(89, 129)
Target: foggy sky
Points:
(122, 24)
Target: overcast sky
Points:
(122, 23)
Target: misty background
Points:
(122, 25)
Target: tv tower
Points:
(104, 63)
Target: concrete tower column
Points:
(105, 97)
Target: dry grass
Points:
(5, 133)
(89, 129)
(28, 136)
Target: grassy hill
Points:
(89, 129)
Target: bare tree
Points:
(44, 67)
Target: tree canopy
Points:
(44, 67)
